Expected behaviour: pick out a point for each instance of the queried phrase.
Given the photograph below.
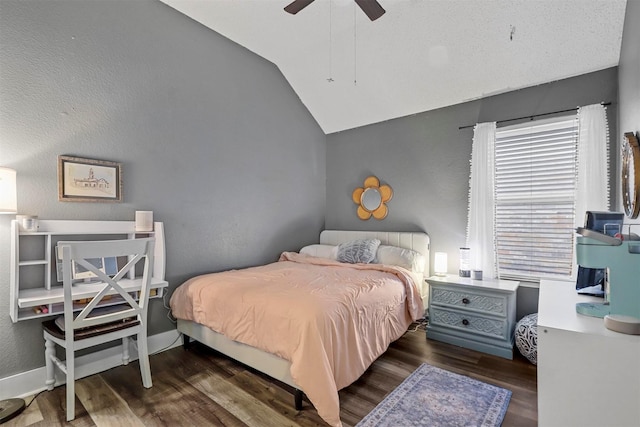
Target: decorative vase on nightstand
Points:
(465, 262)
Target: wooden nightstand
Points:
(476, 314)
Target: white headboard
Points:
(417, 241)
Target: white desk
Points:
(587, 374)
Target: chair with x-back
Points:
(100, 320)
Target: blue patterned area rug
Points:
(434, 397)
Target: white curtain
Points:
(480, 227)
(592, 192)
(592, 186)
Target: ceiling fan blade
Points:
(297, 5)
(371, 8)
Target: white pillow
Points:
(407, 258)
(322, 251)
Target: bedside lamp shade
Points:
(8, 197)
(440, 264)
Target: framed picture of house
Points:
(88, 180)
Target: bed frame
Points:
(274, 366)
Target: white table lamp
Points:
(8, 197)
(9, 408)
(440, 264)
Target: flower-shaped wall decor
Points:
(372, 198)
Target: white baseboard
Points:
(30, 382)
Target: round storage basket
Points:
(526, 337)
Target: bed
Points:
(318, 360)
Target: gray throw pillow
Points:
(358, 251)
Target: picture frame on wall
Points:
(89, 180)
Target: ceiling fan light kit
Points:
(371, 8)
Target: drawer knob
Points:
(465, 300)
(465, 322)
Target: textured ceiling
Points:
(421, 54)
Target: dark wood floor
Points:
(200, 387)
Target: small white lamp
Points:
(8, 197)
(9, 408)
(440, 264)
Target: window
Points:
(535, 187)
(530, 186)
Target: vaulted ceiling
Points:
(421, 54)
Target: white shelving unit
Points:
(33, 290)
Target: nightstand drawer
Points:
(476, 324)
(493, 304)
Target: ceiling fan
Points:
(370, 7)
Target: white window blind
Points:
(535, 183)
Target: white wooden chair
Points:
(96, 322)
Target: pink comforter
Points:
(330, 320)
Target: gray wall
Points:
(629, 78)
(211, 137)
(425, 159)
